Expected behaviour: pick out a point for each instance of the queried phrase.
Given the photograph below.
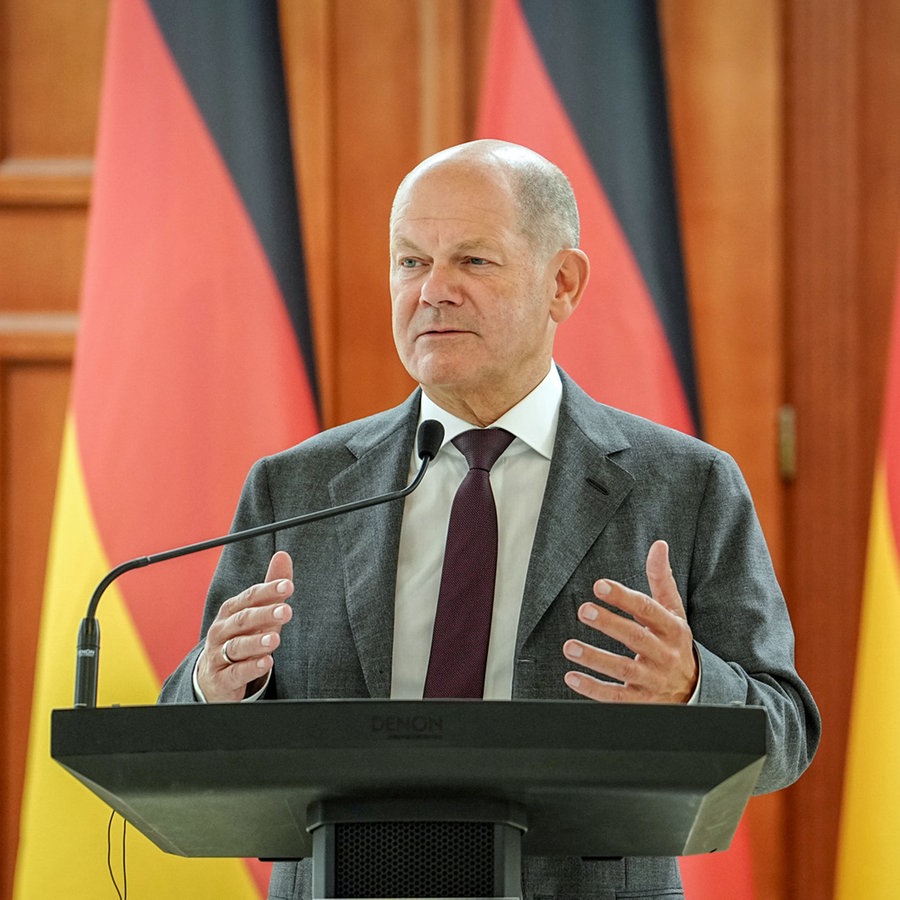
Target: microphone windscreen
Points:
(431, 434)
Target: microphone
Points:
(428, 442)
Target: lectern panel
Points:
(594, 779)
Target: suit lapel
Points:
(370, 538)
(584, 490)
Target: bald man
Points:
(630, 565)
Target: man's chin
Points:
(444, 370)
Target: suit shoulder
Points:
(642, 447)
(615, 429)
(336, 447)
(646, 434)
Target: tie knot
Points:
(482, 447)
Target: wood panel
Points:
(376, 138)
(724, 75)
(878, 143)
(35, 358)
(50, 73)
(842, 218)
(51, 77)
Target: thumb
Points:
(281, 566)
(662, 583)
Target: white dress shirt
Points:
(518, 479)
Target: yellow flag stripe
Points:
(62, 851)
(870, 819)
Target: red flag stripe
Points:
(187, 364)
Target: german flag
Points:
(870, 818)
(193, 359)
(582, 83)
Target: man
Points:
(600, 513)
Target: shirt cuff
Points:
(695, 697)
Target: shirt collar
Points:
(532, 420)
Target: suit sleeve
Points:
(741, 624)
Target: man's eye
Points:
(477, 261)
(408, 263)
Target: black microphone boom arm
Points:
(429, 438)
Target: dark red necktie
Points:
(462, 626)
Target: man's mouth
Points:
(442, 331)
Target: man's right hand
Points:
(245, 633)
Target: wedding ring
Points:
(228, 660)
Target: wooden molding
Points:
(46, 182)
(28, 337)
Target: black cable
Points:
(124, 866)
(121, 894)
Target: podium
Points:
(436, 783)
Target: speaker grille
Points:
(414, 859)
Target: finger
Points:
(643, 609)
(229, 682)
(633, 632)
(259, 595)
(669, 675)
(255, 614)
(658, 637)
(269, 618)
(603, 691)
(662, 582)
(281, 566)
(247, 648)
(251, 632)
(231, 660)
(623, 669)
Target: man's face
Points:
(471, 295)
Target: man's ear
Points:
(571, 280)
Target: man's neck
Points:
(479, 411)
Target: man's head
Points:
(547, 210)
(484, 266)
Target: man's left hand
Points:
(664, 668)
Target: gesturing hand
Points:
(664, 668)
(245, 633)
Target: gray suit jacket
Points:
(616, 484)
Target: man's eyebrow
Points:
(475, 246)
(402, 243)
(478, 244)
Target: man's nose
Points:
(441, 286)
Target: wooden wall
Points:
(841, 227)
(788, 159)
(50, 69)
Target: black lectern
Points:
(350, 782)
